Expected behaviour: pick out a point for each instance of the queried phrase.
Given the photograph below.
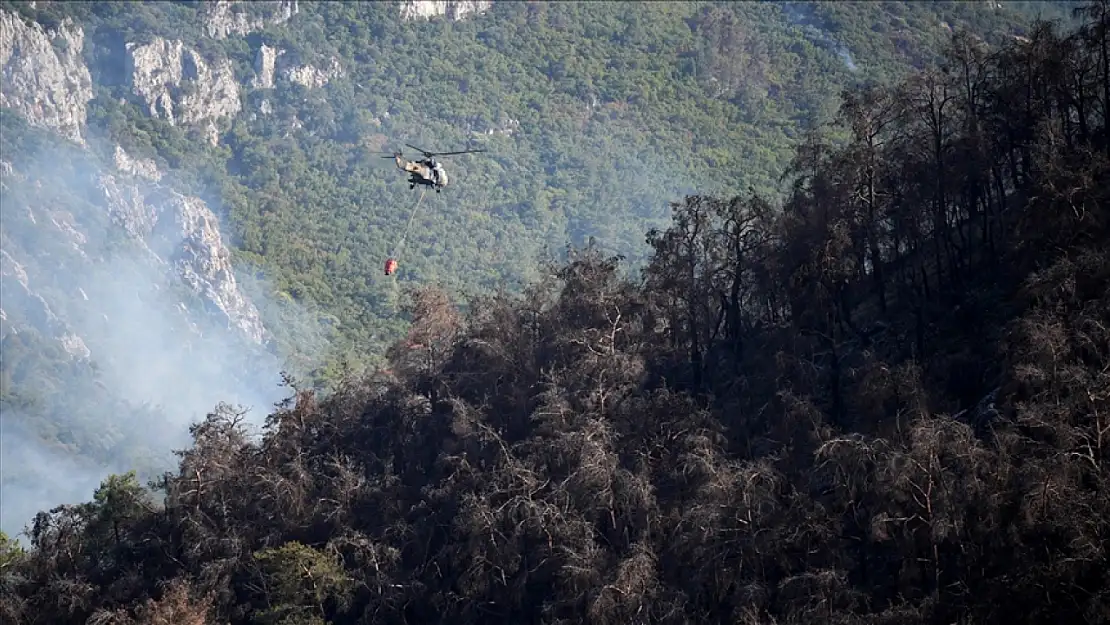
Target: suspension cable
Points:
(404, 235)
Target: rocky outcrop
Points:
(67, 225)
(142, 168)
(34, 307)
(63, 290)
(224, 18)
(9, 268)
(74, 345)
(452, 9)
(265, 62)
(183, 232)
(204, 262)
(311, 76)
(44, 76)
(179, 85)
(506, 127)
(271, 62)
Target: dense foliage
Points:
(594, 115)
(883, 401)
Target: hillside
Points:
(193, 198)
(593, 115)
(879, 399)
(121, 323)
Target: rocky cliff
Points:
(43, 75)
(272, 64)
(34, 307)
(224, 18)
(179, 85)
(47, 83)
(183, 233)
(451, 9)
(175, 240)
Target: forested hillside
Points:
(209, 173)
(881, 398)
(594, 115)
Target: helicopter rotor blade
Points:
(421, 150)
(459, 152)
(428, 154)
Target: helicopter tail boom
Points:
(411, 167)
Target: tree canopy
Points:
(880, 399)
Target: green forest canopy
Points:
(619, 112)
(880, 399)
(614, 112)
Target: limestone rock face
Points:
(271, 64)
(311, 76)
(17, 293)
(178, 85)
(43, 75)
(224, 18)
(451, 9)
(265, 63)
(143, 168)
(182, 231)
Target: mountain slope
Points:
(880, 400)
(592, 112)
(224, 170)
(114, 290)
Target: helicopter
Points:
(429, 171)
